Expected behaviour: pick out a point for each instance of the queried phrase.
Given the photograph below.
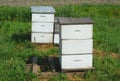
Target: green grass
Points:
(16, 47)
(15, 13)
(107, 69)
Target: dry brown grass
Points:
(29, 3)
(102, 54)
(44, 47)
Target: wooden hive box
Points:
(42, 24)
(76, 43)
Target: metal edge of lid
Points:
(42, 9)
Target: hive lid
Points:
(65, 21)
(42, 9)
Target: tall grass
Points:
(104, 11)
(24, 13)
(15, 14)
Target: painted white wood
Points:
(76, 61)
(77, 46)
(43, 17)
(56, 38)
(76, 31)
(42, 38)
(42, 27)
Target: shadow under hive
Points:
(49, 64)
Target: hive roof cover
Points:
(42, 9)
(86, 20)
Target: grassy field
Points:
(16, 47)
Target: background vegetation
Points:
(29, 3)
(16, 47)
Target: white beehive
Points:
(76, 43)
(42, 24)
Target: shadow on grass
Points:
(21, 37)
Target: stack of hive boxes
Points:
(74, 36)
(42, 24)
(76, 43)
